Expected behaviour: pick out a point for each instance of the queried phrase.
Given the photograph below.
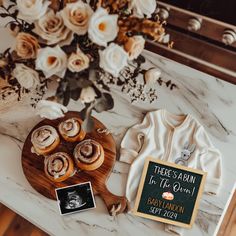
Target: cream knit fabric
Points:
(174, 138)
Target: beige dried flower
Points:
(113, 5)
(3, 63)
(136, 25)
(26, 46)
(55, 4)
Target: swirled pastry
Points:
(59, 166)
(89, 155)
(45, 139)
(71, 130)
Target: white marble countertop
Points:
(210, 100)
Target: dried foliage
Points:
(72, 83)
(130, 26)
(114, 6)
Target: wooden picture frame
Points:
(135, 210)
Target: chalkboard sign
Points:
(169, 193)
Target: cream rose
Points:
(76, 16)
(26, 46)
(113, 59)
(52, 61)
(151, 76)
(27, 77)
(52, 30)
(50, 110)
(103, 27)
(78, 61)
(87, 95)
(31, 10)
(143, 7)
(134, 46)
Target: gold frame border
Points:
(160, 219)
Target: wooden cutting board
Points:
(33, 166)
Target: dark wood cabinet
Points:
(221, 10)
(204, 35)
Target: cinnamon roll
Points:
(89, 155)
(59, 166)
(45, 139)
(71, 130)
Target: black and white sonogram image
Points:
(75, 198)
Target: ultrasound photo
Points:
(75, 198)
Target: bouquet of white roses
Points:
(85, 46)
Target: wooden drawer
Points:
(199, 54)
(212, 29)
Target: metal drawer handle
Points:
(163, 13)
(194, 24)
(229, 37)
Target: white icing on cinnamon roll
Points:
(44, 136)
(87, 151)
(57, 165)
(34, 151)
(70, 127)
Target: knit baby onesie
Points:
(180, 139)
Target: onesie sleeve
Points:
(209, 161)
(134, 139)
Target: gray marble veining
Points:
(211, 101)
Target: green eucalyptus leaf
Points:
(61, 89)
(66, 98)
(75, 93)
(84, 113)
(88, 123)
(3, 15)
(84, 83)
(104, 103)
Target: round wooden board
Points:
(33, 166)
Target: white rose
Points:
(50, 110)
(143, 7)
(113, 59)
(87, 95)
(76, 16)
(27, 77)
(31, 10)
(52, 61)
(78, 61)
(152, 76)
(134, 46)
(103, 27)
(52, 30)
